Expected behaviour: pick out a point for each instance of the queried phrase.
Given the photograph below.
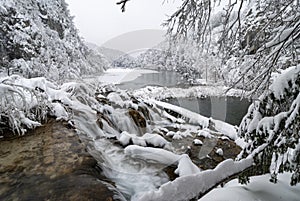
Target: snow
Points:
(197, 142)
(136, 170)
(147, 139)
(204, 133)
(197, 119)
(155, 140)
(41, 48)
(177, 136)
(59, 111)
(220, 152)
(186, 167)
(281, 80)
(283, 34)
(194, 118)
(162, 93)
(29, 123)
(294, 112)
(190, 186)
(241, 142)
(259, 188)
(124, 166)
(271, 120)
(225, 128)
(184, 164)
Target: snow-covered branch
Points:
(195, 185)
(268, 31)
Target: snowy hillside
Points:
(108, 53)
(38, 38)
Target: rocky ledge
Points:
(51, 163)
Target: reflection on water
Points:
(162, 78)
(228, 109)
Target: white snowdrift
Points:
(258, 189)
(190, 186)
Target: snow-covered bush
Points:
(23, 104)
(26, 103)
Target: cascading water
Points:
(116, 122)
(130, 175)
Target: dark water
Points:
(228, 109)
(162, 78)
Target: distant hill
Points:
(110, 54)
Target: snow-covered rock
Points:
(220, 152)
(197, 142)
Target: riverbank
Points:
(51, 163)
(162, 93)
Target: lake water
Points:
(228, 109)
(157, 78)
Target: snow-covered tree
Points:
(125, 61)
(272, 125)
(263, 35)
(38, 38)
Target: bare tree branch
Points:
(123, 4)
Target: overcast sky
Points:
(99, 21)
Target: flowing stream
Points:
(131, 175)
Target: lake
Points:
(228, 109)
